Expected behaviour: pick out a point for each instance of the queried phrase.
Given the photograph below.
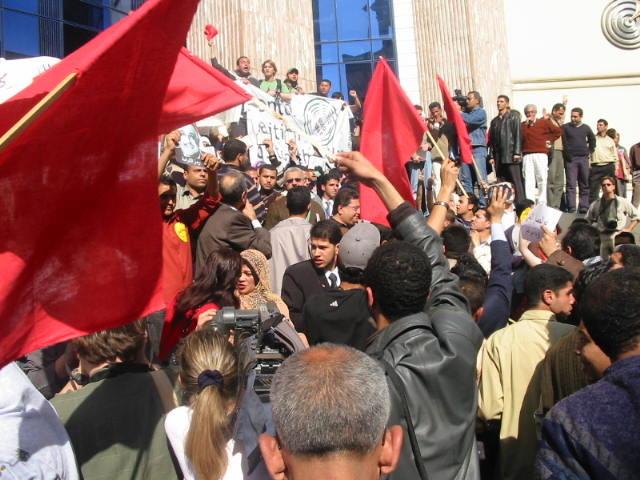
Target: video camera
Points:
(459, 98)
(261, 346)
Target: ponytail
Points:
(208, 435)
(209, 375)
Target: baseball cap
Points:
(358, 244)
(293, 70)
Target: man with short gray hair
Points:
(538, 134)
(278, 211)
(331, 405)
(234, 224)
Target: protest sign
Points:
(17, 74)
(188, 149)
(539, 216)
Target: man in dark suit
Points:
(234, 224)
(307, 278)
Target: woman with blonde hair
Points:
(253, 286)
(200, 433)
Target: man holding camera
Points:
(611, 215)
(475, 118)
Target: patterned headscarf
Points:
(262, 294)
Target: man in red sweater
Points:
(180, 225)
(537, 138)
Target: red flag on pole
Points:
(454, 116)
(392, 131)
(80, 241)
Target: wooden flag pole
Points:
(29, 117)
(435, 144)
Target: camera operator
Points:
(610, 214)
(475, 117)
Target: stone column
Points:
(465, 42)
(261, 30)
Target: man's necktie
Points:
(333, 280)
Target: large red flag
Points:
(453, 114)
(80, 238)
(392, 131)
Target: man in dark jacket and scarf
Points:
(505, 146)
(426, 339)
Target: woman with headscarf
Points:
(253, 286)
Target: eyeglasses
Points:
(291, 180)
(607, 185)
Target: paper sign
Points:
(17, 74)
(539, 216)
(188, 149)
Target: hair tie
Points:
(210, 377)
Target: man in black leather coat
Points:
(505, 146)
(425, 336)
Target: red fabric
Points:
(536, 136)
(210, 31)
(175, 329)
(392, 130)
(177, 260)
(81, 237)
(453, 115)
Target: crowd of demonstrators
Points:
(440, 348)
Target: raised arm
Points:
(410, 225)
(170, 143)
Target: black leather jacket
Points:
(510, 141)
(434, 353)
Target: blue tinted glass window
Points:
(326, 52)
(381, 18)
(24, 5)
(83, 13)
(355, 51)
(353, 19)
(358, 76)
(112, 16)
(324, 20)
(21, 33)
(75, 37)
(383, 48)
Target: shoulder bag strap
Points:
(415, 447)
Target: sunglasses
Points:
(291, 180)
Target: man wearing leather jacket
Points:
(426, 339)
(505, 146)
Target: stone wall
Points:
(259, 29)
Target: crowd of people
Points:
(446, 345)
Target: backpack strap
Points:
(165, 390)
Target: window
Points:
(21, 35)
(75, 37)
(350, 35)
(30, 6)
(56, 27)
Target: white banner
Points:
(17, 74)
(308, 120)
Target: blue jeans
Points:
(414, 170)
(468, 173)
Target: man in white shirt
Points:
(481, 238)
(603, 160)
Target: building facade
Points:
(511, 47)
